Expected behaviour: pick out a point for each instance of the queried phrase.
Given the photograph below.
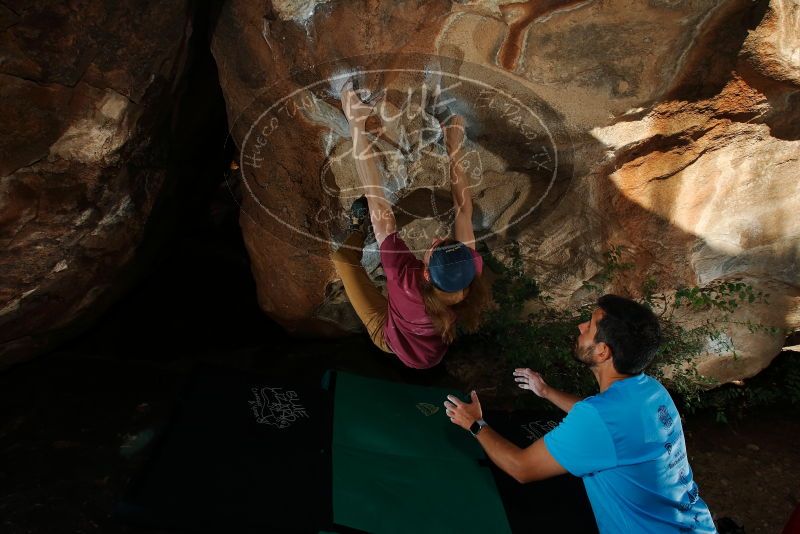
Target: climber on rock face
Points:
(428, 298)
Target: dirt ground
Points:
(73, 427)
(748, 470)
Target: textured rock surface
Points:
(86, 91)
(682, 123)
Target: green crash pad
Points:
(400, 465)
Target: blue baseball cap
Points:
(451, 267)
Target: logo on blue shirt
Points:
(664, 416)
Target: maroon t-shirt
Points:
(409, 331)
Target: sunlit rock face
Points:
(84, 88)
(668, 127)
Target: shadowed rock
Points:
(86, 94)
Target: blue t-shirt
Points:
(627, 444)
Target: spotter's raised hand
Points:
(527, 379)
(463, 413)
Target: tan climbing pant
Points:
(368, 301)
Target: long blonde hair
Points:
(441, 305)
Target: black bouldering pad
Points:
(557, 504)
(243, 453)
(334, 452)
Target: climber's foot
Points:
(359, 216)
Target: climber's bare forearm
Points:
(366, 161)
(462, 201)
(462, 197)
(463, 229)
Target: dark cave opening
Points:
(189, 288)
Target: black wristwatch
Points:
(476, 427)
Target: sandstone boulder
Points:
(668, 127)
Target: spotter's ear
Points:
(426, 274)
(602, 352)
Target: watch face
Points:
(475, 428)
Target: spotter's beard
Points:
(582, 355)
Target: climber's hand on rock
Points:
(354, 109)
